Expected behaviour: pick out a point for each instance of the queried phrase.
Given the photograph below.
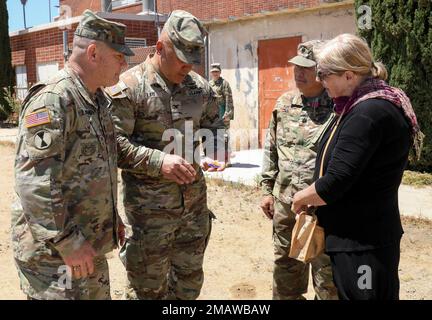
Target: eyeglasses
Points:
(321, 75)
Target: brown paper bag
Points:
(307, 240)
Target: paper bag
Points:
(307, 241)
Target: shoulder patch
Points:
(37, 118)
(42, 139)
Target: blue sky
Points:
(37, 12)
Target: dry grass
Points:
(7, 144)
(417, 179)
(416, 222)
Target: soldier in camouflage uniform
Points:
(158, 104)
(65, 219)
(225, 102)
(298, 120)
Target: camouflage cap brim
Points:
(122, 49)
(303, 62)
(188, 56)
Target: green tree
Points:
(401, 37)
(6, 71)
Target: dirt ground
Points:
(238, 263)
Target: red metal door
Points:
(275, 74)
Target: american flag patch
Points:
(37, 118)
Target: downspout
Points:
(65, 46)
(157, 22)
(206, 55)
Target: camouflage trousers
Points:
(164, 254)
(219, 148)
(291, 277)
(51, 281)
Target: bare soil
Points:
(238, 263)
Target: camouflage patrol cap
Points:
(215, 67)
(306, 53)
(187, 36)
(112, 33)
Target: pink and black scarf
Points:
(378, 89)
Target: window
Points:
(44, 71)
(136, 42)
(121, 3)
(21, 82)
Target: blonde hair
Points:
(348, 52)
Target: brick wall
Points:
(47, 45)
(205, 10)
(222, 9)
(38, 47)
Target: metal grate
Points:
(136, 42)
(141, 54)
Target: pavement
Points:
(8, 134)
(246, 168)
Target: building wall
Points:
(235, 45)
(78, 6)
(132, 9)
(205, 10)
(30, 48)
(223, 9)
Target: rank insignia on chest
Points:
(37, 118)
(150, 94)
(88, 149)
(175, 104)
(194, 92)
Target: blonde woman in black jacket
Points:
(359, 169)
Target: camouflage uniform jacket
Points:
(144, 109)
(296, 126)
(65, 171)
(225, 101)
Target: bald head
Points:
(81, 44)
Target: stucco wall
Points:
(235, 46)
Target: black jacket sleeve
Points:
(359, 136)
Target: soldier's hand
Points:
(267, 206)
(81, 261)
(177, 169)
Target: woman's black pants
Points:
(367, 275)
